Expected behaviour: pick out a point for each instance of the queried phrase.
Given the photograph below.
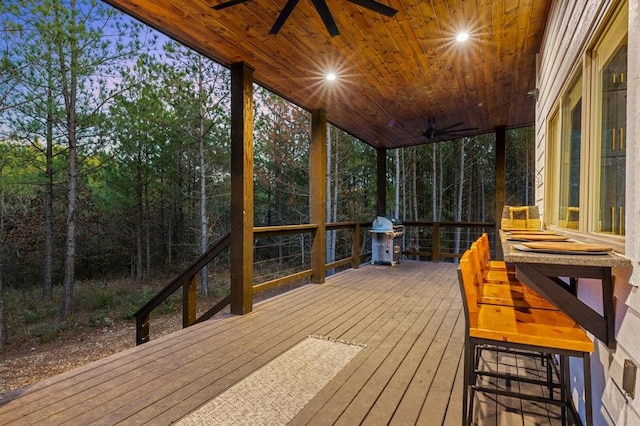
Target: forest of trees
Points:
(115, 158)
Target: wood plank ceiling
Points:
(393, 74)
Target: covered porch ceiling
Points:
(394, 74)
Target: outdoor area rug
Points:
(275, 393)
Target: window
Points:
(586, 139)
(610, 101)
(553, 179)
(570, 146)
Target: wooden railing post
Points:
(318, 191)
(142, 329)
(355, 254)
(187, 281)
(436, 242)
(189, 302)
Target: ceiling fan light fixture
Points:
(331, 76)
(463, 36)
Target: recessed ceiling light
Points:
(464, 36)
(331, 76)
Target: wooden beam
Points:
(381, 182)
(501, 179)
(318, 193)
(241, 188)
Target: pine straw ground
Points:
(35, 352)
(33, 361)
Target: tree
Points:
(331, 196)
(67, 58)
(4, 335)
(201, 98)
(460, 193)
(137, 116)
(282, 140)
(350, 189)
(520, 166)
(16, 207)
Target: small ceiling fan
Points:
(323, 11)
(434, 133)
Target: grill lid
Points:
(386, 224)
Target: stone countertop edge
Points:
(612, 259)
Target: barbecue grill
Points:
(386, 241)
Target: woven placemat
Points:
(275, 393)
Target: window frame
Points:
(586, 69)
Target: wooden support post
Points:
(436, 242)
(189, 302)
(501, 180)
(318, 193)
(381, 182)
(241, 188)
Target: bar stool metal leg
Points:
(468, 366)
(564, 387)
(588, 402)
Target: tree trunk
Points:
(147, 236)
(397, 185)
(414, 182)
(526, 173)
(460, 197)
(204, 228)
(139, 216)
(434, 183)
(403, 177)
(336, 192)
(4, 335)
(414, 194)
(440, 182)
(47, 283)
(330, 235)
(70, 240)
(483, 201)
(69, 83)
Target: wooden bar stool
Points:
(503, 289)
(521, 329)
(485, 256)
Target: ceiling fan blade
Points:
(447, 128)
(325, 14)
(468, 129)
(228, 4)
(382, 9)
(286, 11)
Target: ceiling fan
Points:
(321, 7)
(434, 133)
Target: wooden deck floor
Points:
(409, 316)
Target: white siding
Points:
(571, 28)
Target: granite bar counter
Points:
(556, 277)
(513, 255)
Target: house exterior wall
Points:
(571, 29)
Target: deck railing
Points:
(423, 240)
(187, 281)
(442, 240)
